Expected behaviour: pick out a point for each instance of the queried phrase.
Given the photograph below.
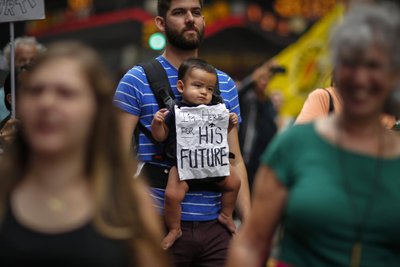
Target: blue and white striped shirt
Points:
(135, 96)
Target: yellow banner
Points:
(307, 62)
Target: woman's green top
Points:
(330, 189)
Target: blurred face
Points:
(277, 99)
(365, 83)
(184, 24)
(57, 108)
(197, 87)
(25, 54)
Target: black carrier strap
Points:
(331, 105)
(217, 98)
(159, 83)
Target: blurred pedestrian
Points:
(258, 113)
(8, 126)
(334, 183)
(204, 241)
(283, 121)
(67, 197)
(26, 50)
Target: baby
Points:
(197, 81)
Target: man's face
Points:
(184, 24)
(25, 54)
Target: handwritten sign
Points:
(21, 10)
(202, 146)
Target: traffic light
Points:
(157, 41)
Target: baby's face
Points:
(198, 87)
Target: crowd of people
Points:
(75, 190)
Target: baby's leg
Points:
(230, 188)
(174, 194)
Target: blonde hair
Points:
(117, 194)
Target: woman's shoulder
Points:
(297, 133)
(300, 129)
(322, 92)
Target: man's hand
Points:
(8, 132)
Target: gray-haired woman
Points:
(334, 184)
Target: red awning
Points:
(133, 15)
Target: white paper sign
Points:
(21, 10)
(201, 137)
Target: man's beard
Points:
(178, 39)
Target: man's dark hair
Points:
(7, 85)
(164, 5)
(195, 63)
(7, 91)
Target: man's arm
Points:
(128, 100)
(127, 124)
(243, 201)
(252, 245)
(231, 97)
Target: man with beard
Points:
(204, 241)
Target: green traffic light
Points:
(157, 41)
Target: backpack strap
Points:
(146, 132)
(159, 83)
(331, 105)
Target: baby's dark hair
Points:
(195, 63)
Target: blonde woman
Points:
(66, 193)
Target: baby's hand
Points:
(160, 115)
(233, 118)
(9, 131)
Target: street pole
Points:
(12, 69)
